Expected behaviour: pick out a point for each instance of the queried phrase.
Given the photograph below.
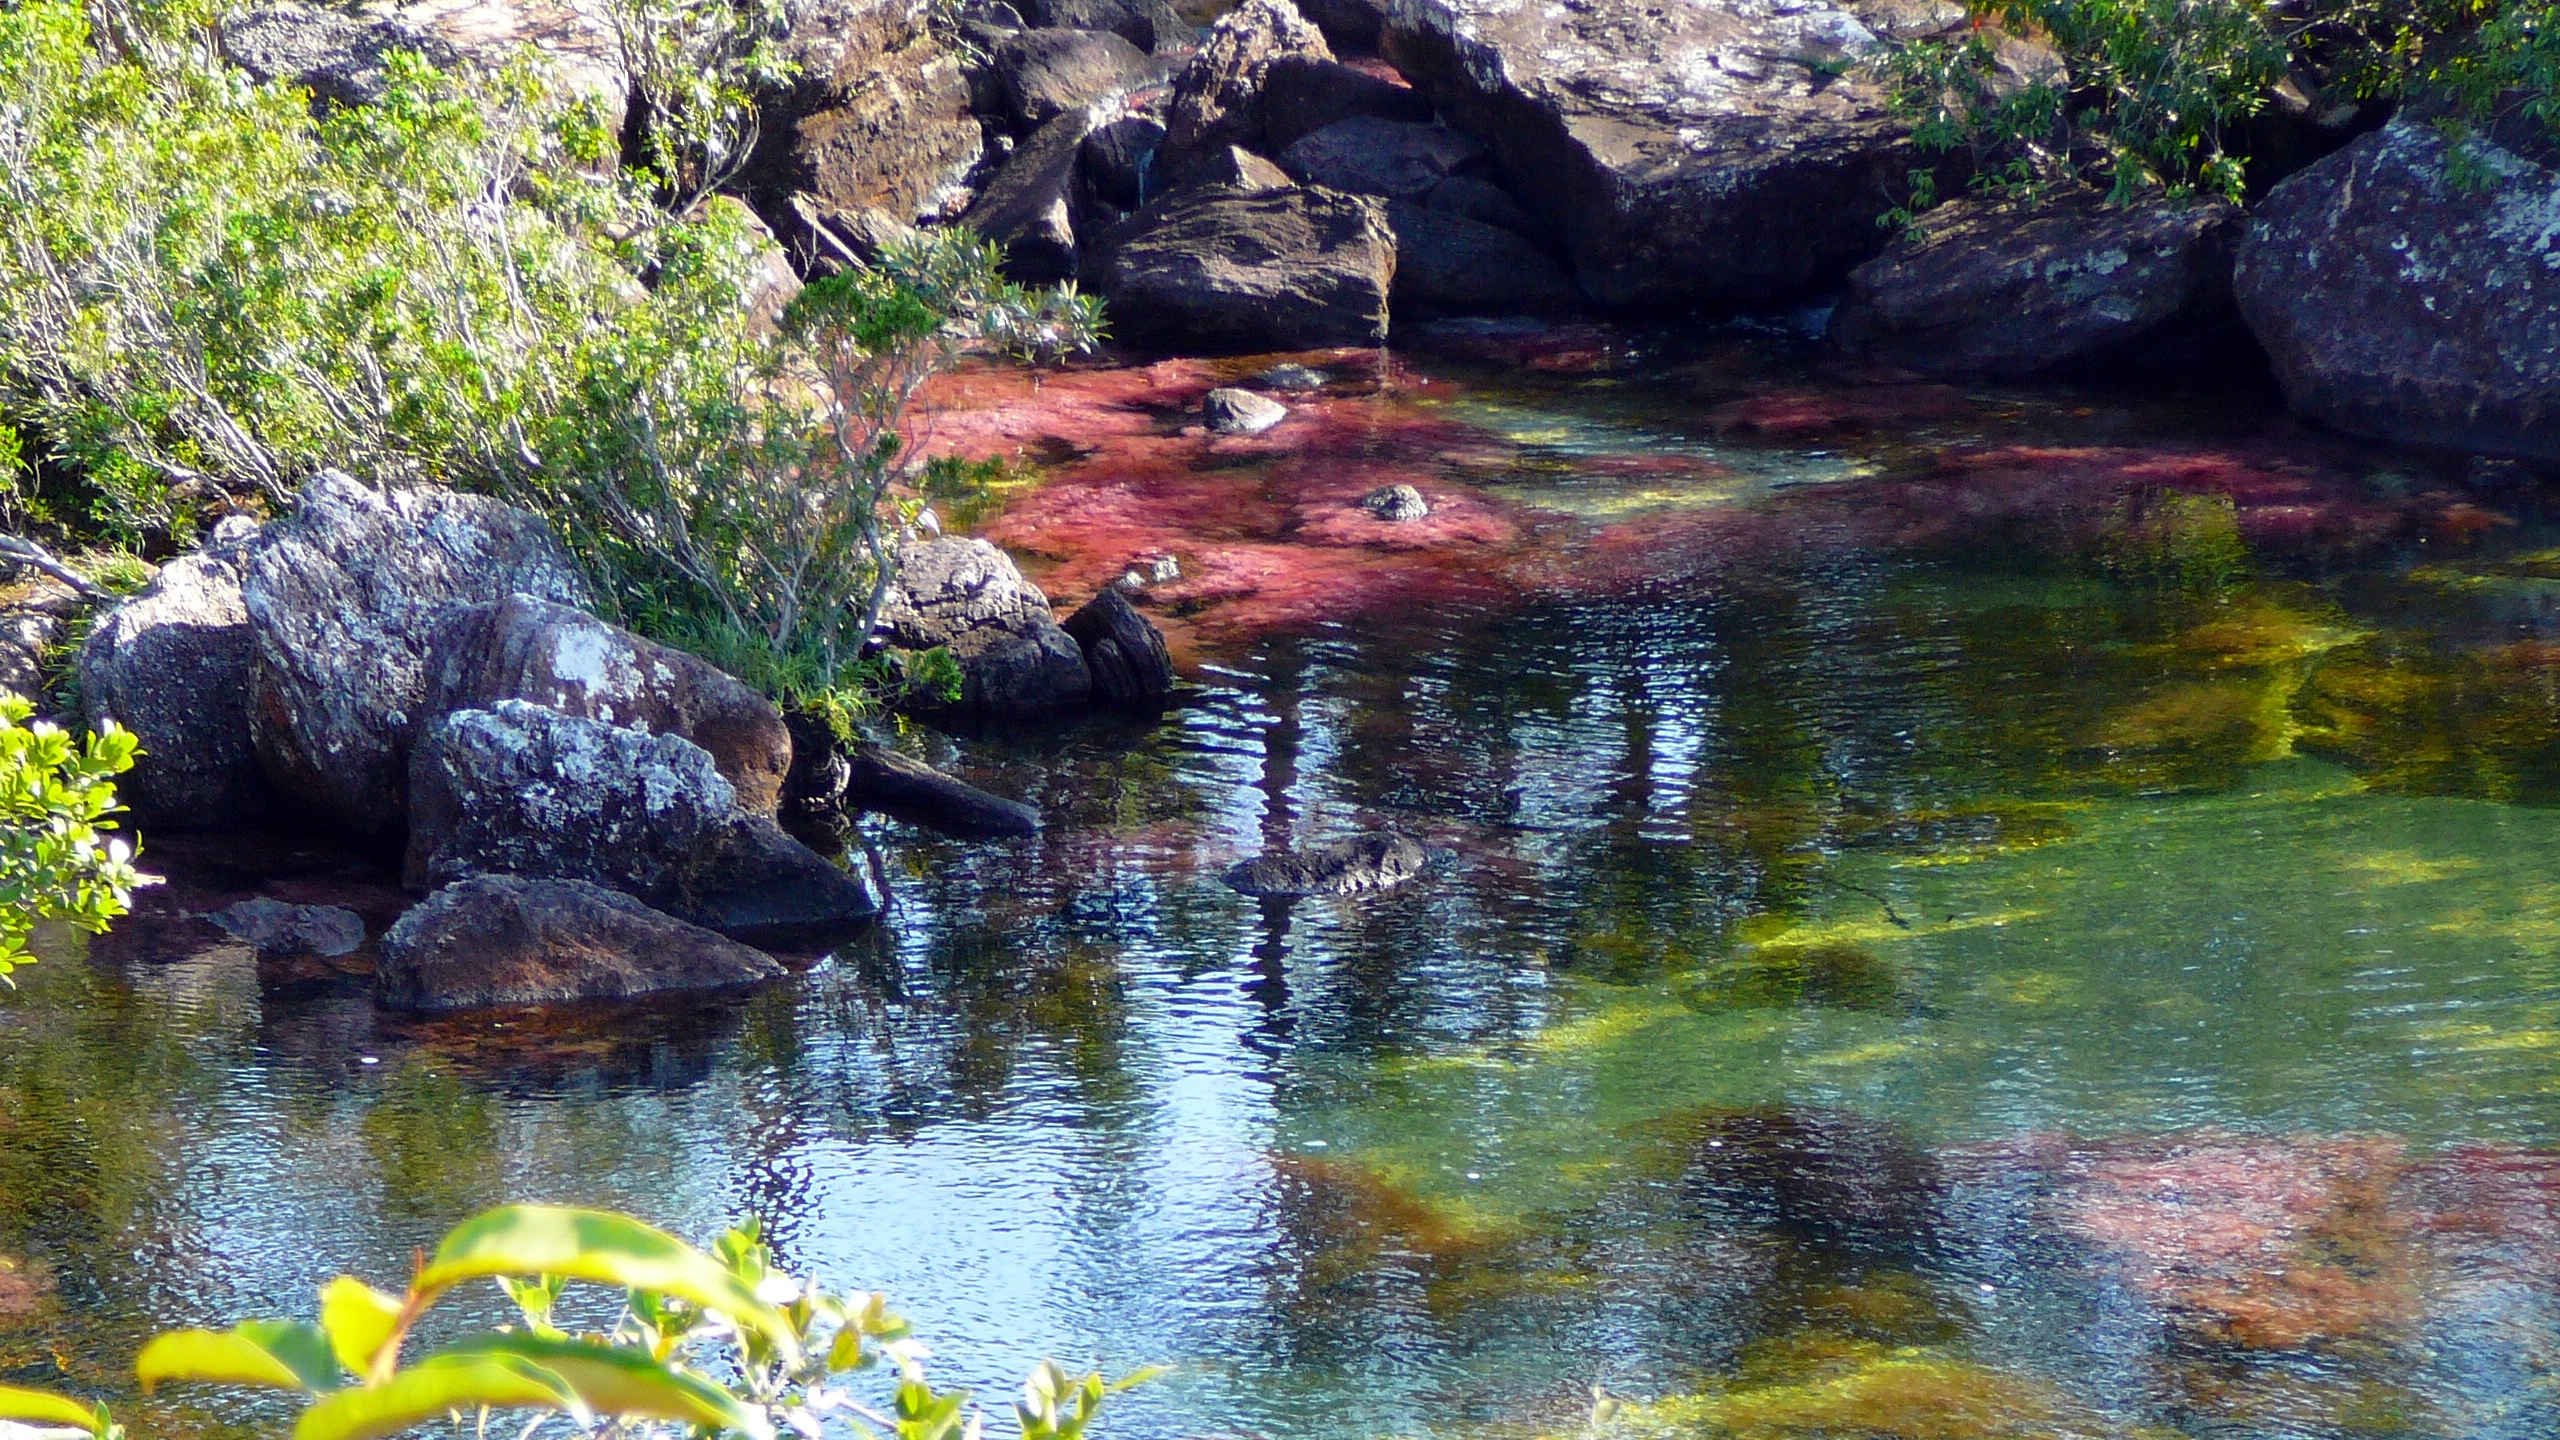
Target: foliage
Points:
(56, 800)
(717, 1343)
(694, 68)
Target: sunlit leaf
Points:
(597, 1246)
(433, 1388)
(43, 1407)
(358, 1319)
(613, 1380)
(278, 1354)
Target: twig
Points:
(29, 553)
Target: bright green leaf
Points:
(433, 1388)
(43, 1407)
(613, 1380)
(605, 1248)
(277, 1354)
(358, 1319)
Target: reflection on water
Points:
(1996, 943)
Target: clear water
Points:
(2057, 981)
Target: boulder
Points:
(501, 940)
(1240, 171)
(876, 128)
(2409, 288)
(342, 597)
(276, 929)
(1347, 867)
(1152, 25)
(1990, 287)
(1288, 375)
(575, 42)
(1352, 27)
(1046, 73)
(1394, 158)
(1031, 207)
(908, 789)
(967, 596)
(1217, 99)
(1119, 161)
(1210, 269)
(1124, 651)
(1710, 154)
(1447, 264)
(340, 58)
(172, 665)
(770, 282)
(517, 789)
(1241, 412)
(1396, 504)
(1481, 200)
(522, 648)
(1302, 94)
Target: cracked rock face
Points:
(342, 597)
(1716, 154)
(2409, 288)
(1217, 99)
(1988, 287)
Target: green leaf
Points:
(435, 1387)
(277, 1354)
(43, 1407)
(615, 1380)
(605, 1248)
(358, 1319)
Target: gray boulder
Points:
(967, 596)
(516, 789)
(2408, 288)
(342, 597)
(1241, 412)
(340, 57)
(1989, 287)
(1448, 264)
(172, 665)
(1124, 651)
(1031, 208)
(526, 649)
(1302, 94)
(1348, 867)
(1046, 73)
(1216, 269)
(1394, 158)
(1217, 99)
(1717, 154)
(501, 940)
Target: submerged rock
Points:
(1241, 412)
(1718, 154)
(1396, 503)
(1346, 867)
(1995, 287)
(1213, 269)
(968, 596)
(894, 784)
(499, 940)
(1123, 650)
(566, 660)
(1292, 377)
(172, 665)
(342, 597)
(2409, 287)
(1217, 99)
(275, 928)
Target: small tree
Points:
(56, 861)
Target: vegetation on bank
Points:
(2174, 97)
(705, 1344)
(58, 860)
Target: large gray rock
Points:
(1154, 26)
(1231, 411)
(1449, 265)
(1394, 158)
(500, 940)
(1216, 269)
(172, 665)
(2409, 288)
(1046, 73)
(1217, 99)
(1990, 287)
(342, 597)
(1032, 208)
(1124, 651)
(1694, 153)
(341, 56)
(967, 596)
(516, 789)
(522, 648)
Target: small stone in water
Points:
(1291, 377)
(1241, 412)
(272, 927)
(1396, 503)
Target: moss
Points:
(1835, 975)
(1821, 1385)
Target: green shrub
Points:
(57, 861)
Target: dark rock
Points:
(1046, 73)
(1989, 287)
(500, 940)
(1396, 503)
(561, 659)
(815, 787)
(1119, 161)
(33, 612)
(1152, 25)
(1346, 867)
(1302, 94)
(1240, 171)
(274, 928)
(902, 786)
(877, 123)
(520, 790)
(1350, 26)
(2407, 289)
(1710, 154)
(172, 666)
(342, 596)
(1393, 158)
(968, 596)
(1241, 412)
(1217, 99)
(1030, 207)
(1483, 201)
(338, 57)
(1124, 650)
(1291, 377)
(1447, 264)
(1214, 269)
